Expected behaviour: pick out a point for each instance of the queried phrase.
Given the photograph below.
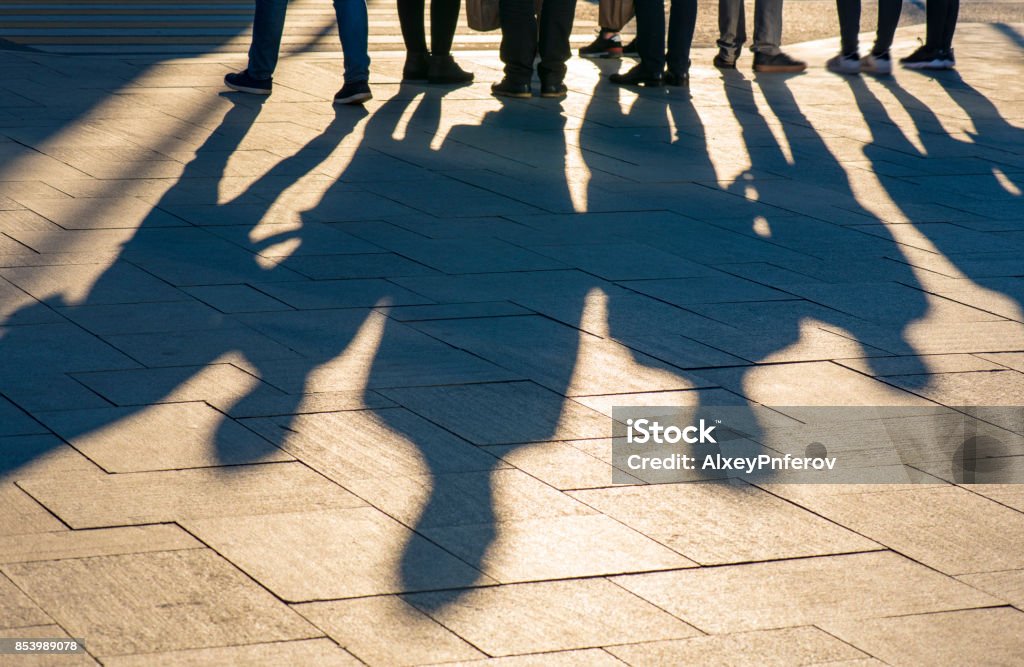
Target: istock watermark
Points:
(818, 445)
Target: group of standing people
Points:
(537, 34)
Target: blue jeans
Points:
(353, 29)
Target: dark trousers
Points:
(650, 34)
(522, 36)
(444, 16)
(849, 24)
(940, 17)
(732, 27)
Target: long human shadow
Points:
(187, 250)
(995, 188)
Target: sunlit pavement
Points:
(284, 383)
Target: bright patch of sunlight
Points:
(402, 124)
(761, 227)
(1005, 182)
(350, 370)
(577, 173)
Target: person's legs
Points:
(888, 18)
(353, 29)
(650, 35)
(935, 22)
(732, 30)
(681, 24)
(556, 20)
(518, 39)
(410, 17)
(949, 25)
(767, 27)
(849, 24)
(444, 17)
(267, 28)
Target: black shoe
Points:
(244, 83)
(724, 62)
(353, 92)
(444, 69)
(777, 63)
(637, 77)
(417, 66)
(553, 89)
(603, 47)
(926, 57)
(676, 78)
(506, 88)
(629, 50)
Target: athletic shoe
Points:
(777, 63)
(243, 82)
(506, 88)
(629, 50)
(876, 63)
(926, 57)
(844, 64)
(603, 47)
(724, 62)
(353, 92)
(444, 69)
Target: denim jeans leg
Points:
(353, 29)
(267, 28)
(767, 26)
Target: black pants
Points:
(650, 34)
(849, 24)
(444, 16)
(522, 38)
(940, 16)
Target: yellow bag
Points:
(613, 14)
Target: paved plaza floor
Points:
(289, 384)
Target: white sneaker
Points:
(880, 64)
(844, 64)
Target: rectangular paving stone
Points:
(94, 501)
(558, 357)
(706, 289)
(56, 348)
(805, 591)
(912, 365)
(28, 455)
(219, 384)
(385, 630)
(192, 348)
(626, 261)
(975, 636)
(138, 318)
(467, 498)
(557, 548)
(947, 528)
(503, 413)
(21, 515)
(101, 542)
(157, 602)
(161, 437)
(588, 657)
(121, 283)
(17, 610)
(356, 293)
(15, 421)
(576, 464)
(100, 213)
(550, 616)
(37, 392)
(1007, 585)
(372, 444)
(236, 298)
(333, 554)
(714, 523)
(763, 648)
(295, 652)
